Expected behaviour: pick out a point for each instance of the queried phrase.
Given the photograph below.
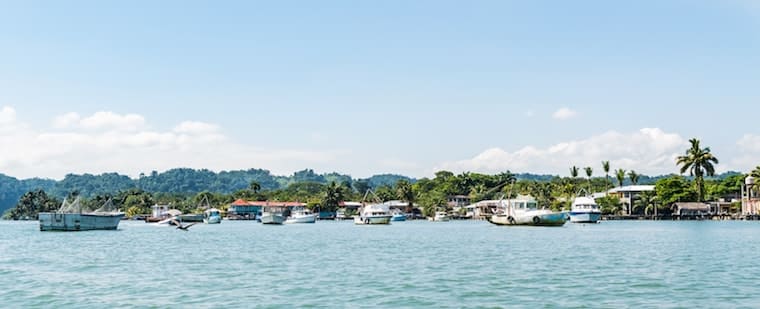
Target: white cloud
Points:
(195, 127)
(649, 151)
(109, 142)
(103, 121)
(748, 157)
(66, 120)
(7, 115)
(564, 114)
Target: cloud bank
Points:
(649, 151)
(124, 143)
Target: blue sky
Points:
(365, 87)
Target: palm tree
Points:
(332, 197)
(620, 175)
(646, 201)
(606, 168)
(698, 161)
(404, 192)
(756, 172)
(255, 186)
(589, 172)
(574, 171)
(634, 177)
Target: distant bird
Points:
(181, 227)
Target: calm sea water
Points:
(407, 264)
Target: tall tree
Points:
(589, 172)
(646, 203)
(634, 177)
(255, 186)
(404, 192)
(574, 171)
(620, 175)
(332, 196)
(756, 173)
(606, 168)
(699, 162)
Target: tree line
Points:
(185, 188)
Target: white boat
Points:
(212, 216)
(397, 215)
(585, 210)
(273, 215)
(71, 217)
(373, 214)
(441, 216)
(301, 215)
(524, 210)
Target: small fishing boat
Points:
(273, 214)
(397, 215)
(71, 217)
(212, 216)
(524, 210)
(440, 216)
(301, 215)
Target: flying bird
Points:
(181, 227)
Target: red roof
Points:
(241, 202)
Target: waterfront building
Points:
(750, 197)
(627, 194)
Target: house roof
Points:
(240, 202)
(276, 203)
(634, 188)
(692, 206)
(350, 204)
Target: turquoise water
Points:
(243, 264)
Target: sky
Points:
(370, 87)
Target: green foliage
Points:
(404, 192)
(756, 172)
(574, 171)
(674, 189)
(32, 203)
(634, 177)
(431, 201)
(620, 176)
(332, 196)
(610, 205)
(699, 162)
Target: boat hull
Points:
(373, 220)
(78, 222)
(302, 219)
(398, 217)
(212, 220)
(585, 217)
(272, 219)
(547, 219)
(191, 218)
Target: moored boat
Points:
(212, 216)
(397, 215)
(585, 210)
(301, 215)
(441, 216)
(524, 211)
(373, 214)
(273, 215)
(71, 217)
